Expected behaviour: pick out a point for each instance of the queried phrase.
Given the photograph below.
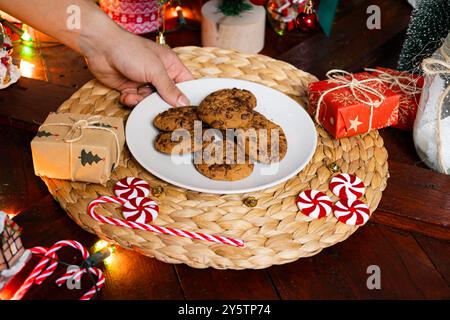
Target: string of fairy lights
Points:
(172, 14)
(29, 44)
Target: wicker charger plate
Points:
(274, 231)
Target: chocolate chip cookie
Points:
(228, 109)
(183, 141)
(264, 131)
(261, 122)
(235, 167)
(176, 118)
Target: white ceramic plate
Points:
(296, 123)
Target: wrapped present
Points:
(409, 87)
(137, 16)
(349, 104)
(78, 147)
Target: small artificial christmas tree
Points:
(429, 25)
(234, 7)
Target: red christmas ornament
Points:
(258, 2)
(306, 21)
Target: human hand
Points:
(129, 63)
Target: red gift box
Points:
(352, 104)
(409, 87)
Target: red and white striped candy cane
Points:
(42, 271)
(76, 275)
(32, 278)
(154, 228)
(99, 284)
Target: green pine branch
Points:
(234, 7)
(429, 25)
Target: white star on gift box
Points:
(354, 124)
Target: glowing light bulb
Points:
(26, 69)
(99, 245)
(173, 12)
(102, 246)
(108, 260)
(26, 51)
(26, 37)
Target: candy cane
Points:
(77, 276)
(154, 228)
(42, 271)
(28, 283)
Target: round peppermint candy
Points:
(347, 186)
(142, 210)
(130, 187)
(314, 204)
(352, 212)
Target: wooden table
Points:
(407, 237)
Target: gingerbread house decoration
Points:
(13, 255)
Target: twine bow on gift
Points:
(431, 67)
(76, 132)
(404, 82)
(360, 89)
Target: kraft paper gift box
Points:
(78, 147)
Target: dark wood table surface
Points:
(407, 237)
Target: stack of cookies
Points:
(171, 120)
(226, 110)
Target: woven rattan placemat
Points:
(274, 231)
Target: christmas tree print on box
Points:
(104, 125)
(89, 158)
(44, 133)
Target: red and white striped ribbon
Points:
(48, 264)
(154, 228)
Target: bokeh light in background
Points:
(26, 69)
